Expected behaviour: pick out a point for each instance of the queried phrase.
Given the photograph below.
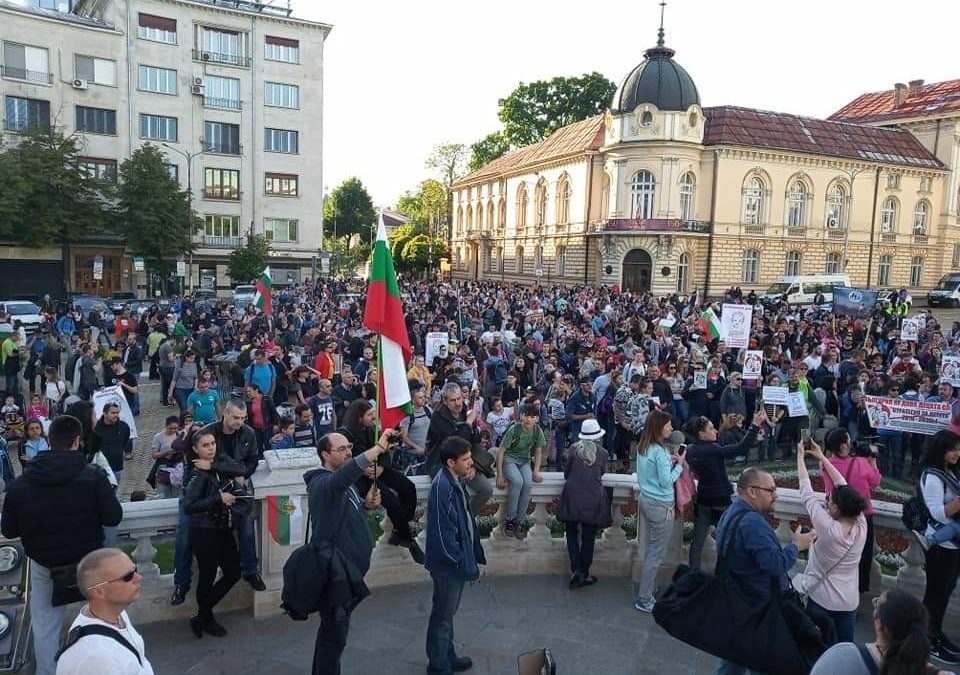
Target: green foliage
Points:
(488, 149)
(348, 254)
(426, 205)
(422, 252)
(449, 160)
(397, 239)
(351, 208)
(247, 262)
(14, 188)
(153, 213)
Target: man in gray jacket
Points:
(337, 513)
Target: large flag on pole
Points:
(263, 298)
(709, 324)
(383, 314)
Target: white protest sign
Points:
(777, 395)
(753, 365)
(910, 330)
(950, 370)
(436, 344)
(735, 322)
(115, 395)
(699, 380)
(796, 406)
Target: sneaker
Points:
(256, 581)
(949, 644)
(510, 528)
(416, 553)
(179, 595)
(645, 606)
(921, 539)
(939, 651)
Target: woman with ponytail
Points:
(900, 623)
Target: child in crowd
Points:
(55, 391)
(284, 439)
(36, 409)
(34, 442)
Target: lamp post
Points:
(189, 156)
(851, 175)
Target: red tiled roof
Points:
(730, 125)
(933, 99)
(577, 137)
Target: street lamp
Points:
(851, 175)
(189, 156)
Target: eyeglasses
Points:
(772, 490)
(126, 578)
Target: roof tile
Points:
(934, 99)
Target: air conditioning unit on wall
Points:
(198, 81)
(79, 83)
(197, 89)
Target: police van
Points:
(947, 292)
(803, 288)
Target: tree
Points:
(153, 213)
(247, 262)
(534, 111)
(449, 160)
(14, 187)
(399, 238)
(348, 258)
(351, 208)
(425, 206)
(487, 149)
(423, 252)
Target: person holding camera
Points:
(400, 496)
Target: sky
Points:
(403, 77)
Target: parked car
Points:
(25, 312)
(120, 298)
(242, 296)
(88, 303)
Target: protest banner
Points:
(950, 370)
(777, 395)
(910, 330)
(753, 365)
(699, 379)
(796, 406)
(434, 345)
(735, 322)
(115, 395)
(855, 302)
(894, 414)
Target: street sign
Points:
(98, 268)
(325, 262)
(181, 268)
(539, 271)
(138, 264)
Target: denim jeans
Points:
(705, 517)
(331, 639)
(844, 622)
(480, 491)
(519, 477)
(181, 396)
(46, 621)
(731, 668)
(182, 551)
(446, 600)
(659, 518)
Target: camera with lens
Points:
(864, 447)
(394, 437)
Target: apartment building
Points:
(233, 90)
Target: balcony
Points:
(221, 103)
(836, 233)
(222, 148)
(888, 237)
(220, 242)
(219, 57)
(797, 232)
(221, 194)
(753, 229)
(33, 76)
(920, 238)
(652, 225)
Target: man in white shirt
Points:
(101, 638)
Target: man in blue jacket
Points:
(338, 515)
(755, 554)
(453, 552)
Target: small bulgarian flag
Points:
(709, 324)
(285, 520)
(263, 299)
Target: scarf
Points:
(587, 452)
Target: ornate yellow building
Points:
(660, 193)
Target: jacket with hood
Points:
(706, 460)
(59, 507)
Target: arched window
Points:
(753, 201)
(563, 201)
(604, 197)
(469, 220)
(646, 119)
(888, 215)
(643, 190)
(522, 208)
(490, 222)
(797, 204)
(792, 268)
(460, 220)
(916, 271)
(683, 272)
(921, 217)
(751, 266)
(518, 260)
(883, 270)
(500, 259)
(688, 187)
(836, 207)
(561, 260)
(834, 263)
(502, 216)
(541, 202)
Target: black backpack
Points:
(79, 632)
(915, 514)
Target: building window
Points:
(96, 120)
(502, 215)
(646, 119)
(753, 193)
(281, 49)
(522, 202)
(281, 140)
(797, 205)
(688, 186)
(833, 263)
(563, 201)
(221, 184)
(751, 266)
(221, 138)
(281, 185)
(888, 215)
(459, 229)
(280, 230)
(174, 171)
(281, 95)
(469, 220)
(538, 259)
(21, 114)
(157, 28)
(541, 202)
(97, 71)
(158, 128)
(222, 46)
(221, 92)
(836, 207)
(157, 80)
(561, 256)
(643, 190)
(683, 272)
(792, 267)
(921, 216)
(500, 259)
(916, 272)
(883, 270)
(604, 197)
(893, 181)
(490, 222)
(956, 256)
(99, 169)
(479, 218)
(518, 260)
(23, 62)
(222, 226)
(925, 184)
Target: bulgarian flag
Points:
(263, 299)
(709, 324)
(285, 520)
(383, 314)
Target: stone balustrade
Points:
(537, 553)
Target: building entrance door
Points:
(636, 271)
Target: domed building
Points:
(661, 194)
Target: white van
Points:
(947, 291)
(803, 288)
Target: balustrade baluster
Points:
(614, 538)
(911, 577)
(539, 534)
(143, 556)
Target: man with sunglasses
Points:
(102, 639)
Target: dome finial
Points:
(663, 4)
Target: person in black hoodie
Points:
(58, 508)
(706, 459)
